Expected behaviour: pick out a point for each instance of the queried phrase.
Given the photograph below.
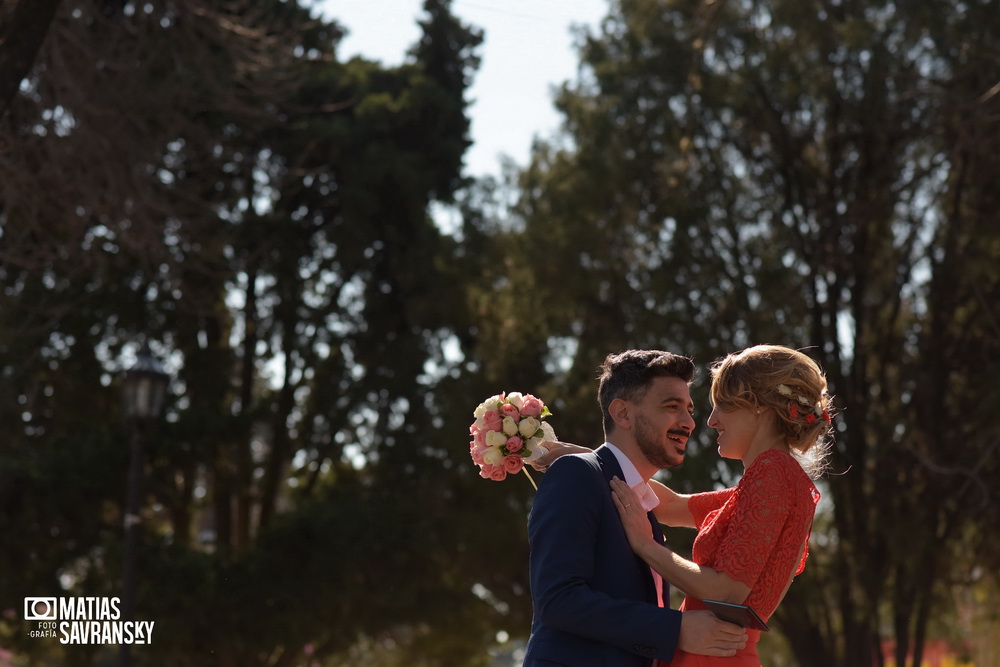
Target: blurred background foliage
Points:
(211, 177)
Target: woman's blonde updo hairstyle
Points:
(788, 382)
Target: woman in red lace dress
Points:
(772, 411)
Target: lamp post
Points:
(144, 388)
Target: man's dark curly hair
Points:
(627, 375)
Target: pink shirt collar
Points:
(647, 497)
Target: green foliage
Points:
(263, 216)
(773, 172)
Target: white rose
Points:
(509, 426)
(529, 426)
(492, 403)
(494, 456)
(515, 398)
(496, 439)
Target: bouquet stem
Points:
(530, 479)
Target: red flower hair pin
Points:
(816, 411)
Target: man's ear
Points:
(621, 413)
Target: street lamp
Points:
(144, 389)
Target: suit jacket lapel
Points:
(657, 530)
(611, 468)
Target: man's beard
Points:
(649, 444)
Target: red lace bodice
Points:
(756, 531)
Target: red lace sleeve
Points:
(762, 507)
(703, 504)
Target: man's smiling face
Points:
(663, 421)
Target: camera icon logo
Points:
(40, 609)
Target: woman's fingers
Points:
(625, 497)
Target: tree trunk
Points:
(23, 27)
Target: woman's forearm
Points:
(695, 580)
(673, 508)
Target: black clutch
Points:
(740, 614)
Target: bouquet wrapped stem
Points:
(530, 479)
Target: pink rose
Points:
(508, 410)
(513, 464)
(478, 436)
(515, 443)
(492, 421)
(476, 452)
(531, 407)
(496, 473)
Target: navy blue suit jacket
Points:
(594, 599)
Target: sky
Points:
(527, 50)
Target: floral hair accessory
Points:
(508, 433)
(817, 411)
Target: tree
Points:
(22, 31)
(261, 209)
(749, 172)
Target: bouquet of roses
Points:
(508, 433)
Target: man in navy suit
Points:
(595, 602)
